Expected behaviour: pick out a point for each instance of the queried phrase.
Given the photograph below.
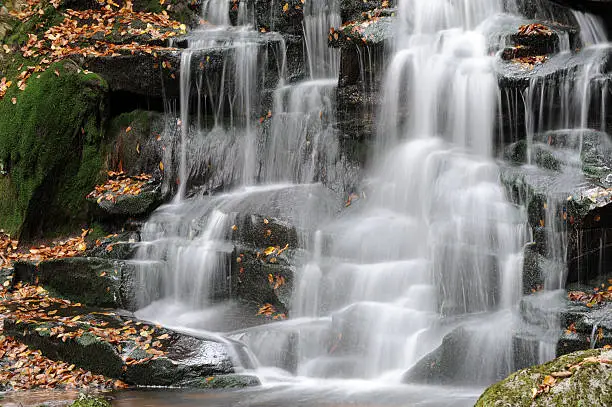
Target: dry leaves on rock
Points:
(119, 184)
(58, 249)
(534, 29)
(600, 294)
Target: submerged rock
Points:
(578, 379)
(234, 381)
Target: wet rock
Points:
(602, 8)
(542, 156)
(92, 343)
(533, 277)
(140, 73)
(285, 17)
(129, 205)
(373, 32)
(567, 199)
(351, 10)
(136, 146)
(88, 280)
(542, 309)
(359, 90)
(235, 381)
(263, 232)
(589, 255)
(538, 38)
(115, 247)
(588, 385)
(585, 327)
(259, 280)
(441, 365)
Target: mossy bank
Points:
(51, 150)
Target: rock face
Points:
(578, 379)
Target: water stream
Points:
(431, 245)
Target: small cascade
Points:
(319, 17)
(565, 121)
(592, 29)
(216, 12)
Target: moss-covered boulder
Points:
(578, 379)
(51, 150)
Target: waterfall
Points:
(592, 29)
(433, 248)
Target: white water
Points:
(431, 246)
(436, 236)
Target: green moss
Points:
(588, 386)
(37, 24)
(51, 146)
(90, 401)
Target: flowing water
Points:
(430, 244)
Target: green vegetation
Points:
(90, 401)
(50, 147)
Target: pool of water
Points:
(318, 393)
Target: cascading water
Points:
(563, 113)
(428, 248)
(436, 236)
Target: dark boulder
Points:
(260, 279)
(88, 343)
(88, 280)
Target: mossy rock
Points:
(588, 386)
(90, 401)
(37, 24)
(52, 150)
